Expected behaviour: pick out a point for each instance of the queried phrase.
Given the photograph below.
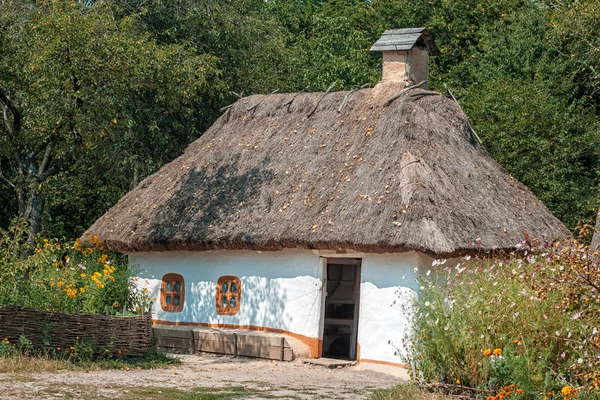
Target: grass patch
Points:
(406, 392)
(39, 364)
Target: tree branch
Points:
(66, 160)
(5, 179)
(16, 123)
(45, 160)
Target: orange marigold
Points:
(497, 352)
(487, 352)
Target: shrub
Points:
(529, 319)
(63, 275)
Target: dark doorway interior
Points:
(341, 308)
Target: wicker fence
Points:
(62, 330)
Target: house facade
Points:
(313, 214)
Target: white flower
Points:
(428, 272)
(416, 269)
(557, 333)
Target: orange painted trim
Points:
(391, 364)
(315, 345)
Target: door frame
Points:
(349, 260)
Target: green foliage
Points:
(527, 105)
(141, 80)
(94, 92)
(525, 320)
(61, 276)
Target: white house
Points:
(312, 214)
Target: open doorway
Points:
(341, 308)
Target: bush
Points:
(528, 319)
(62, 275)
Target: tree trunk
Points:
(33, 213)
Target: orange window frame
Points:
(173, 279)
(224, 298)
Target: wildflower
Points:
(487, 352)
(519, 391)
(58, 348)
(82, 275)
(566, 390)
(458, 381)
(116, 304)
(497, 352)
(516, 341)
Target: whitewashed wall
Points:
(280, 290)
(388, 286)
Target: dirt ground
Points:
(260, 379)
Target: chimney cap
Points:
(405, 40)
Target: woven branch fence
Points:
(62, 330)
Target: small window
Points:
(229, 295)
(172, 293)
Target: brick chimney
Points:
(406, 55)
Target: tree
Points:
(532, 109)
(69, 74)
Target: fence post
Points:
(78, 306)
(106, 309)
(50, 305)
(124, 309)
(143, 308)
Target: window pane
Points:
(178, 286)
(176, 300)
(232, 301)
(224, 287)
(168, 300)
(223, 301)
(169, 286)
(233, 287)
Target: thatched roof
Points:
(371, 178)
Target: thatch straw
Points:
(372, 178)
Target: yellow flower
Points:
(458, 381)
(82, 275)
(497, 352)
(487, 352)
(116, 304)
(102, 259)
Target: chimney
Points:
(406, 55)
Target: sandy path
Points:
(291, 380)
